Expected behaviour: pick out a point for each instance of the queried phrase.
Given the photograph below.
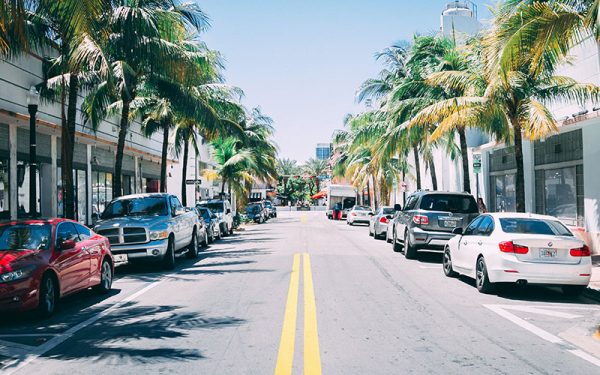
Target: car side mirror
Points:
(458, 231)
(67, 245)
(389, 217)
(397, 207)
(370, 214)
(180, 211)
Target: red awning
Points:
(319, 195)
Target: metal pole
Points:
(32, 161)
(477, 183)
(196, 178)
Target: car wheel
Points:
(387, 237)
(219, 234)
(205, 242)
(211, 237)
(48, 296)
(397, 247)
(231, 231)
(370, 232)
(410, 251)
(447, 264)
(573, 290)
(193, 246)
(482, 281)
(106, 278)
(169, 258)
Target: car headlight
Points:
(158, 235)
(19, 274)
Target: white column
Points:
(12, 151)
(136, 167)
(53, 178)
(529, 172)
(88, 181)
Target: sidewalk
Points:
(595, 281)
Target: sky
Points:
(302, 61)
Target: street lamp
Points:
(33, 99)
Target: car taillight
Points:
(421, 219)
(384, 220)
(510, 247)
(353, 214)
(581, 252)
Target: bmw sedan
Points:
(519, 248)
(379, 222)
(43, 260)
(359, 214)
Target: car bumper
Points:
(510, 270)
(359, 219)
(19, 295)
(380, 228)
(431, 240)
(153, 250)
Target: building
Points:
(459, 21)
(323, 151)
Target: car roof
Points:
(428, 192)
(142, 195)
(520, 215)
(212, 201)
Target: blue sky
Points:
(302, 61)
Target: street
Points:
(313, 294)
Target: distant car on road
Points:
(271, 208)
(44, 260)
(359, 214)
(221, 208)
(428, 219)
(212, 223)
(151, 226)
(379, 221)
(202, 227)
(257, 212)
(519, 248)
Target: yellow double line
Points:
(312, 357)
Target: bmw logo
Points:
(550, 244)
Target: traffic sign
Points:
(193, 182)
(476, 163)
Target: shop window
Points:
(4, 190)
(23, 188)
(101, 192)
(503, 197)
(560, 193)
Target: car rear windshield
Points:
(25, 237)
(388, 211)
(534, 226)
(214, 207)
(458, 204)
(362, 208)
(143, 206)
(205, 213)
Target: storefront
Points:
(559, 180)
(503, 169)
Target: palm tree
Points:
(139, 42)
(234, 164)
(314, 168)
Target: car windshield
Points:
(458, 204)
(388, 211)
(362, 208)
(534, 226)
(143, 206)
(268, 204)
(214, 206)
(25, 237)
(253, 208)
(205, 213)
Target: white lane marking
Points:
(542, 311)
(54, 342)
(431, 267)
(500, 310)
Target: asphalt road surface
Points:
(301, 294)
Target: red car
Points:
(43, 260)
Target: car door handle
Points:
(479, 243)
(464, 242)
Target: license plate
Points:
(120, 258)
(548, 253)
(450, 223)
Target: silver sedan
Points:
(379, 221)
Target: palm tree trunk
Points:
(375, 200)
(465, 160)
(417, 166)
(67, 150)
(433, 174)
(163, 160)
(520, 178)
(223, 188)
(123, 129)
(186, 148)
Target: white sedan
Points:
(519, 248)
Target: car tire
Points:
(211, 237)
(482, 281)
(231, 231)
(410, 251)
(396, 246)
(387, 238)
(573, 290)
(48, 296)
(447, 264)
(169, 258)
(371, 233)
(193, 246)
(106, 278)
(219, 236)
(206, 240)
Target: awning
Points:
(319, 195)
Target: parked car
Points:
(221, 208)
(212, 223)
(257, 212)
(428, 219)
(44, 260)
(202, 227)
(379, 221)
(359, 214)
(272, 210)
(149, 227)
(519, 248)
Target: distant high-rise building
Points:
(323, 151)
(459, 21)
